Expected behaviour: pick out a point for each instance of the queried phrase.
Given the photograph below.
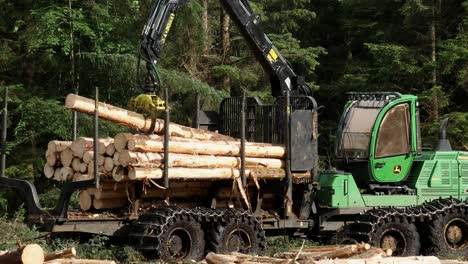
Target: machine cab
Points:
(378, 136)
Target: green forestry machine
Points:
(385, 189)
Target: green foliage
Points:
(49, 198)
(458, 130)
(52, 27)
(13, 230)
(291, 49)
(283, 243)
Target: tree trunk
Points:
(205, 27)
(29, 254)
(137, 121)
(226, 42)
(435, 95)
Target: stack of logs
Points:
(194, 155)
(128, 157)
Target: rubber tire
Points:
(408, 230)
(438, 245)
(184, 221)
(218, 235)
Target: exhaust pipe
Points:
(444, 143)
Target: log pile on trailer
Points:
(194, 156)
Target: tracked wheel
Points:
(239, 231)
(170, 234)
(398, 235)
(448, 233)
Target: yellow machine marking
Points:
(397, 169)
(272, 56)
(168, 27)
(462, 157)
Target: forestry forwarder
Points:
(385, 191)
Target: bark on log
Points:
(28, 254)
(173, 192)
(86, 201)
(141, 159)
(110, 194)
(110, 203)
(58, 146)
(49, 171)
(135, 120)
(209, 149)
(131, 140)
(136, 173)
(64, 253)
(78, 176)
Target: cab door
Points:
(392, 153)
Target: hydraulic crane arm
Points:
(282, 76)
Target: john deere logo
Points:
(397, 169)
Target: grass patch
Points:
(283, 243)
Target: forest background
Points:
(51, 48)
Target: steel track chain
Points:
(148, 230)
(367, 223)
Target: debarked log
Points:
(136, 121)
(258, 151)
(143, 159)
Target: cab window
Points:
(393, 138)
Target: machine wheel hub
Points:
(456, 233)
(238, 241)
(179, 243)
(394, 240)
